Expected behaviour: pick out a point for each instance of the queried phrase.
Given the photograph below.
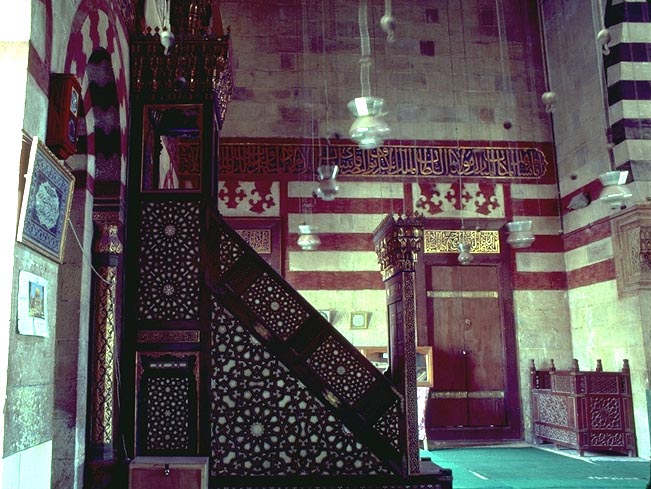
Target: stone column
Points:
(631, 237)
(398, 241)
(107, 249)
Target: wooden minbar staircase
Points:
(226, 360)
(254, 377)
(368, 409)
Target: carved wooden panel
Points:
(282, 312)
(388, 425)
(167, 384)
(265, 422)
(591, 411)
(272, 341)
(168, 280)
(341, 370)
(552, 410)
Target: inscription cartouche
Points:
(390, 160)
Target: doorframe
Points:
(505, 263)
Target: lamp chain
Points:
(163, 9)
(365, 45)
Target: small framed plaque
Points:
(359, 320)
(32, 307)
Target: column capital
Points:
(631, 235)
(398, 240)
(107, 241)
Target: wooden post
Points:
(397, 244)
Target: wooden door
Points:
(464, 314)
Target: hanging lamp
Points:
(614, 194)
(328, 187)
(326, 171)
(369, 127)
(520, 231)
(308, 239)
(465, 256)
(167, 37)
(520, 234)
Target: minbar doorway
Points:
(466, 314)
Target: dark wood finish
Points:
(503, 412)
(136, 200)
(64, 109)
(469, 372)
(229, 287)
(168, 473)
(583, 410)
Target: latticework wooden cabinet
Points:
(584, 410)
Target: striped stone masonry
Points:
(628, 73)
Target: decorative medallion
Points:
(455, 199)
(237, 198)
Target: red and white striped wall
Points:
(346, 259)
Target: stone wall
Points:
(456, 70)
(454, 73)
(30, 380)
(604, 325)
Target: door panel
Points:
(482, 335)
(464, 315)
(446, 412)
(487, 412)
(448, 363)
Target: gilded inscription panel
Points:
(447, 241)
(258, 239)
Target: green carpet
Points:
(534, 468)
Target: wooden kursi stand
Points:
(583, 410)
(465, 312)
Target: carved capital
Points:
(398, 240)
(107, 241)
(631, 231)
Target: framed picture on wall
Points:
(359, 320)
(172, 148)
(32, 304)
(46, 202)
(327, 314)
